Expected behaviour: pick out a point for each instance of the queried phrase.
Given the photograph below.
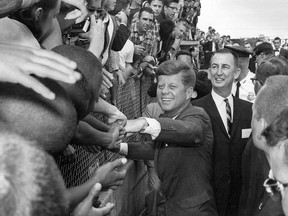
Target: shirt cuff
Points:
(154, 128)
(123, 149)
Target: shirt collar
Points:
(219, 99)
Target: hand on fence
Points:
(85, 208)
(110, 175)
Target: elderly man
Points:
(230, 117)
(276, 135)
(271, 100)
(181, 147)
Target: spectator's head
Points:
(248, 46)
(30, 182)
(184, 56)
(194, 51)
(122, 6)
(270, 101)
(208, 38)
(176, 82)
(180, 29)
(146, 18)
(108, 5)
(39, 17)
(243, 59)
(263, 51)
(156, 6)
(276, 135)
(170, 8)
(258, 42)
(271, 67)
(86, 91)
(224, 69)
(277, 43)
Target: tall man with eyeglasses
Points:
(276, 135)
(270, 101)
(170, 9)
(230, 117)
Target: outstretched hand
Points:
(85, 208)
(17, 63)
(109, 174)
(81, 11)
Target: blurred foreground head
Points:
(30, 182)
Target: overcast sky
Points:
(245, 18)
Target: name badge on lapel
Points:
(246, 133)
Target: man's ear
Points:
(261, 126)
(209, 73)
(237, 73)
(38, 14)
(190, 93)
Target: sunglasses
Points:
(273, 187)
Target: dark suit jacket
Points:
(227, 152)
(283, 53)
(182, 156)
(269, 207)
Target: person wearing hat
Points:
(243, 87)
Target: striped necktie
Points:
(229, 117)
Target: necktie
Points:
(229, 117)
(237, 89)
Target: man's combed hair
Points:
(172, 67)
(30, 182)
(145, 9)
(271, 67)
(278, 129)
(272, 98)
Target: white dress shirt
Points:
(246, 90)
(221, 106)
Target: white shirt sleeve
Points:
(154, 128)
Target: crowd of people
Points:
(214, 134)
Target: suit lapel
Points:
(214, 114)
(236, 115)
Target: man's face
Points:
(277, 44)
(280, 171)
(179, 30)
(222, 73)
(109, 5)
(195, 52)
(145, 21)
(47, 22)
(156, 6)
(171, 93)
(171, 10)
(257, 127)
(185, 58)
(248, 46)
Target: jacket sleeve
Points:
(141, 150)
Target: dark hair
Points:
(146, 9)
(27, 15)
(172, 67)
(265, 48)
(277, 38)
(168, 2)
(277, 130)
(271, 67)
(227, 51)
(149, 1)
(166, 28)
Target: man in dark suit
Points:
(182, 146)
(209, 47)
(278, 51)
(230, 119)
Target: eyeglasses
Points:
(254, 80)
(175, 9)
(273, 187)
